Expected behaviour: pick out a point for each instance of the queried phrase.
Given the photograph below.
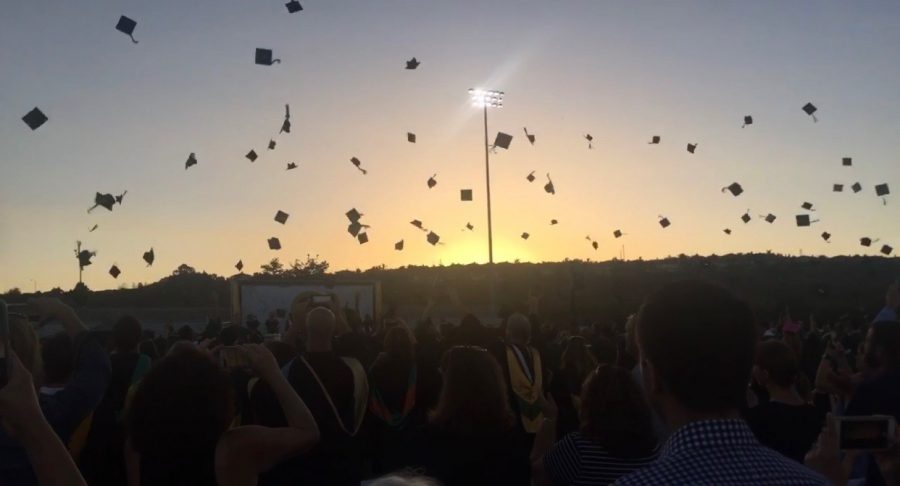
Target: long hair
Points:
(577, 358)
(615, 413)
(473, 396)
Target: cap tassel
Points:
(815, 120)
(132, 38)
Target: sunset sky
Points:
(126, 116)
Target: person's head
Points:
(185, 333)
(518, 329)
(182, 406)
(126, 334)
(776, 365)
(473, 396)
(577, 358)
(604, 350)
(697, 343)
(229, 335)
(399, 343)
(58, 358)
(882, 349)
(320, 324)
(615, 412)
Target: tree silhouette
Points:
(272, 269)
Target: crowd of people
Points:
(692, 389)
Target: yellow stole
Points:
(527, 390)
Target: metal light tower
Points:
(484, 98)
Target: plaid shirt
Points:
(720, 452)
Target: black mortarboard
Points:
(748, 120)
(353, 215)
(264, 57)
(865, 241)
(553, 222)
(503, 140)
(433, 238)
(810, 108)
(126, 26)
(417, 224)
(84, 257)
(355, 161)
(34, 118)
(274, 244)
(617, 233)
(281, 216)
(655, 139)
(412, 63)
(410, 137)
(882, 190)
(691, 147)
(746, 218)
(803, 220)
(293, 6)
(530, 176)
(354, 228)
(595, 244)
(856, 187)
(252, 155)
(548, 187)
(770, 218)
(590, 140)
(93, 228)
(529, 136)
(362, 238)
(431, 181)
(525, 236)
(105, 200)
(114, 271)
(398, 245)
(886, 249)
(469, 226)
(239, 265)
(734, 188)
(149, 256)
(826, 236)
(664, 222)
(847, 161)
(271, 144)
(727, 231)
(286, 125)
(837, 188)
(465, 194)
(121, 197)
(191, 160)
(291, 166)
(807, 206)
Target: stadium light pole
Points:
(486, 98)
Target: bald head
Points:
(518, 329)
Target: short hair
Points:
(126, 333)
(615, 412)
(778, 361)
(518, 326)
(701, 341)
(181, 408)
(59, 358)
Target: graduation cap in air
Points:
(363, 238)
(264, 57)
(810, 108)
(691, 147)
(595, 244)
(281, 216)
(748, 120)
(525, 236)
(355, 228)
(803, 220)
(770, 218)
(121, 197)
(398, 245)
(286, 125)
(433, 238)
(807, 206)
(548, 187)
(826, 236)
(837, 188)
(239, 265)
(530, 177)
(882, 190)
(412, 63)
(274, 244)
(251, 155)
(655, 140)
(418, 224)
(431, 181)
(664, 222)
(590, 140)
(293, 6)
(353, 215)
(866, 241)
(617, 233)
(105, 200)
(191, 160)
(469, 226)
(886, 249)
(34, 118)
(93, 228)
(149, 257)
(465, 194)
(114, 271)
(847, 161)
(271, 144)
(355, 161)
(727, 231)
(553, 222)
(734, 188)
(856, 187)
(84, 257)
(126, 26)
(529, 136)
(291, 166)
(502, 140)
(410, 137)
(746, 217)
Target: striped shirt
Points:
(578, 460)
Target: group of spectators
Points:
(691, 390)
